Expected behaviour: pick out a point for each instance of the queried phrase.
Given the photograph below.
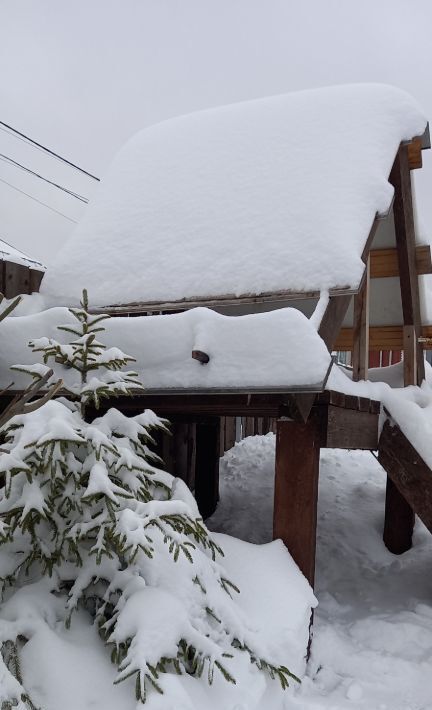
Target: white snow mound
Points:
(263, 196)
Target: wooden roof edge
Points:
(423, 139)
(224, 300)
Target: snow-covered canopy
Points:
(281, 349)
(9, 253)
(266, 196)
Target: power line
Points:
(6, 159)
(47, 150)
(38, 201)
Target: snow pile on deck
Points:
(263, 350)
(267, 195)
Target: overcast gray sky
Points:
(82, 76)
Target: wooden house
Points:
(19, 274)
(304, 201)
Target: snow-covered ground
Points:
(372, 645)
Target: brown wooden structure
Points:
(304, 422)
(19, 278)
(382, 312)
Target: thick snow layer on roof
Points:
(265, 350)
(263, 196)
(9, 253)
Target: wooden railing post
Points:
(296, 491)
(360, 354)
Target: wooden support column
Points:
(207, 465)
(399, 516)
(296, 491)
(399, 521)
(360, 353)
(403, 212)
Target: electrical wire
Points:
(17, 134)
(10, 161)
(38, 201)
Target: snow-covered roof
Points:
(9, 253)
(263, 351)
(266, 196)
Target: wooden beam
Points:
(408, 471)
(296, 491)
(410, 355)
(16, 279)
(384, 262)
(415, 154)
(35, 280)
(400, 178)
(360, 354)
(329, 329)
(349, 429)
(157, 307)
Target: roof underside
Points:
(250, 200)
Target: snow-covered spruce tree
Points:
(88, 516)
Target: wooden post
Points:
(399, 521)
(400, 178)
(360, 355)
(296, 491)
(410, 355)
(207, 464)
(230, 432)
(399, 517)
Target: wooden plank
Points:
(382, 337)
(181, 458)
(249, 427)
(384, 262)
(16, 278)
(207, 465)
(35, 280)
(296, 491)
(408, 471)
(350, 429)
(410, 355)
(414, 148)
(191, 453)
(229, 433)
(222, 436)
(333, 319)
(187, 405)
(398, 522)
(329, 329)
(142, 308)
(167, 452)
(360, 353)
(403, 212)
